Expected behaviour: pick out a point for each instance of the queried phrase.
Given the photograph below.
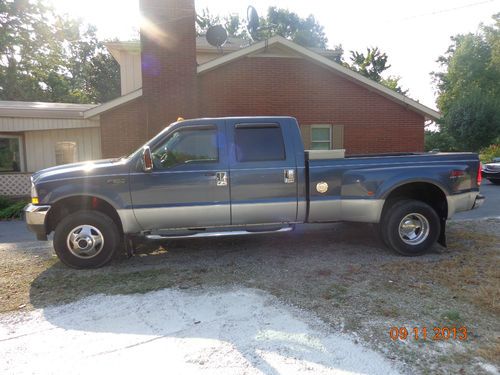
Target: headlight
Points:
(34, 194)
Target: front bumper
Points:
(490, 175)
(35, 220)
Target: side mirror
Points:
(147, 159)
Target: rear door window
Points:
(259, 142)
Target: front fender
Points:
(103, 187)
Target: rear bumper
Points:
(463, 202)
(35, 220)
(478, 201)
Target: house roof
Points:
(117, 102)
(43, 110)
(293, 50)
(232, 44)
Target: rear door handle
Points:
(221, 178)
(289, 176)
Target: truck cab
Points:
(220, 172)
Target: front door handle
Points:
(289, 176)
(221, 178)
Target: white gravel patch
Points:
(170, 331)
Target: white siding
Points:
(41, 146)
(130, 71)
(19, 124)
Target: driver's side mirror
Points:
(147, 159)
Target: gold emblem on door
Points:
(322, 187)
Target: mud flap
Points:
(442, 235)
(129, 246)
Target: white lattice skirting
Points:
(15, 184)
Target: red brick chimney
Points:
(168, 41)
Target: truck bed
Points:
(358, 185)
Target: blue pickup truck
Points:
(246, 175)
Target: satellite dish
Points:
(253, 20)
(216, 36)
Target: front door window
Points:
(187, 146)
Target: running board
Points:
(216, 234)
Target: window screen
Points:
(65, 152)
(187, 146)
(259, 143)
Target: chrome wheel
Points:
(414, 229)
(85, 241)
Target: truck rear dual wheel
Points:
(86, 239)
(410, 227)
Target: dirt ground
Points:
(339, 272)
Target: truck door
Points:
(263, 172)
(187, 187)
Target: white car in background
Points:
(491, 171)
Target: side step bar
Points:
(215, 234)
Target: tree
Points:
(438, 140)
(469, 88)
(46, 57)
(372, 65)
(304, 31)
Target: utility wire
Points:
(445, 10)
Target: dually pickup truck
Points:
(246, 175)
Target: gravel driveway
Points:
(210, 332)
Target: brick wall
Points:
(168, 55)
(314, 95)
(124, 129)
(250, 86)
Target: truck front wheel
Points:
(410, 227)
(86, 239)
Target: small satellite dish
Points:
(216, 36)
(253, 21)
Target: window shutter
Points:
(305, 130)
(338, 136)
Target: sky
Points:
(413, 34)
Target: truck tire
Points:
(410, 227)
(86, 239)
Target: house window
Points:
(10, 153)
(65, 152)
(321, 137)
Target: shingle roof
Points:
(43, 109)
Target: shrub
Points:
(487, 154)
(10, 209)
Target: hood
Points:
(82, 169)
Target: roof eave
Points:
(112, 104)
